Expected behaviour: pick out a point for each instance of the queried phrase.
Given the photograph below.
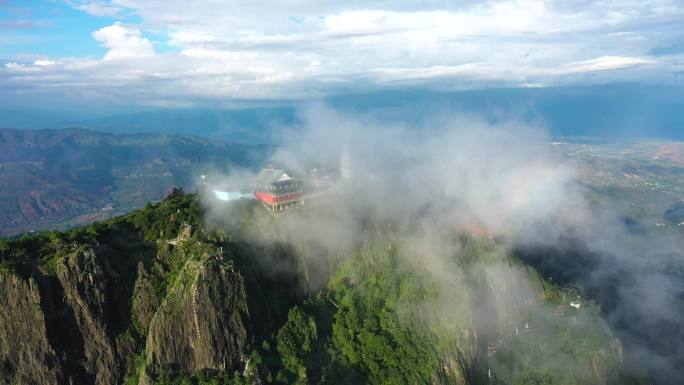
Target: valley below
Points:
(55, 179)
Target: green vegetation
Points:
(535, 377)
(559, 344)
(376, 329)
(208, 377)
(134, 371)
(365, 328)
(162, 220)
(382, 318)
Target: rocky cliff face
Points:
(98, 297)
(26, 355)
(113, 303)
(201, 324)
(76, 325)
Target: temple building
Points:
(277, 190)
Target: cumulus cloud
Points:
(270, 50)
(123, 42)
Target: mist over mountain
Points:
(460, 251)
(502, 180)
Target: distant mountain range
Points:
(250, 125)
(613, 111)
(57, 178)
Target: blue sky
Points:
(44, 28)
(173, 53)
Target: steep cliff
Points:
(98, 297)
(202, 323)
(26, 356)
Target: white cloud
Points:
(97, 8)
(277, 49)
(190, 37)
(14, 66)
(43, 62)
(605, 63)
(123, 42)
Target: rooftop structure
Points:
(277, 190)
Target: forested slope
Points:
(159, 297)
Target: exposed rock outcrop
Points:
(99, 299)
(26, 356)
(201, 324)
